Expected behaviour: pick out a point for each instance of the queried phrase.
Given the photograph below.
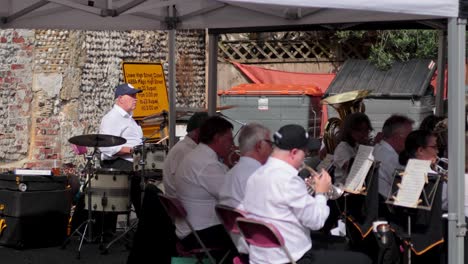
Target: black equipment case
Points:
(35, 216)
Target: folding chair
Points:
(261, 234)
(228, 215)
(176, 210)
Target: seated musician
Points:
(255, 147)
(276, 194)
(178, 151)
(198, 179)
(355, 131)
(394, 132)
(422, 145)
(119, 122)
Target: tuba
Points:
(345, 104)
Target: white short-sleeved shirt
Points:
(197, 182)
(277, 195)
(173, 160)
(118, 122)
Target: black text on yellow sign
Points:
(148, 77)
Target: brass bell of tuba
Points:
(345, 104)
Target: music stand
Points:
(428, 204)
(361, 209)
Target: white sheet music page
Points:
(325, 163)
(412, 183)
(358, 172)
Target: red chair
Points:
(228, 215)
(176, 210)
(261, 234)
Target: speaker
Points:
(34, 219)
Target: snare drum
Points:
(109, 190)
(155, 154)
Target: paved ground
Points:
(90, 253)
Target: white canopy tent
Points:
(258, 15)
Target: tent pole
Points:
(212, 73)
(171, 79)
(456, 135)
(441, 61)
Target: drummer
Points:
(119, 122)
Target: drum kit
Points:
(108, 190)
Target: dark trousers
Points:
(214, 237)
(155, 236)
(333, 256)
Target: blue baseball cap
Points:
(125, 88)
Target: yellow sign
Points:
(148, 77)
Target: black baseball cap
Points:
(125, 88)
(294, 136)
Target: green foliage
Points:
(389, 46)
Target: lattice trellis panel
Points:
(257, 51)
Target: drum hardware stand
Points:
(88, 223)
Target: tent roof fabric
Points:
(200, 14)
(404, 79)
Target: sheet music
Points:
(325, 163)
(358, 172)
(412, 183)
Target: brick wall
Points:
(16, 57)
(56, 84)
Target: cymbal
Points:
(161, 115)
(156, 121)
(97, 140)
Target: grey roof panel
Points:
(404, 79)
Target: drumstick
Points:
(161, 140)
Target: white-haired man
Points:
(255, 147)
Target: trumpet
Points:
(441, 166)
(335, 191)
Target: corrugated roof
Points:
(404, 79)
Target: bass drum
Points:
(155, 154)
(109, 191)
